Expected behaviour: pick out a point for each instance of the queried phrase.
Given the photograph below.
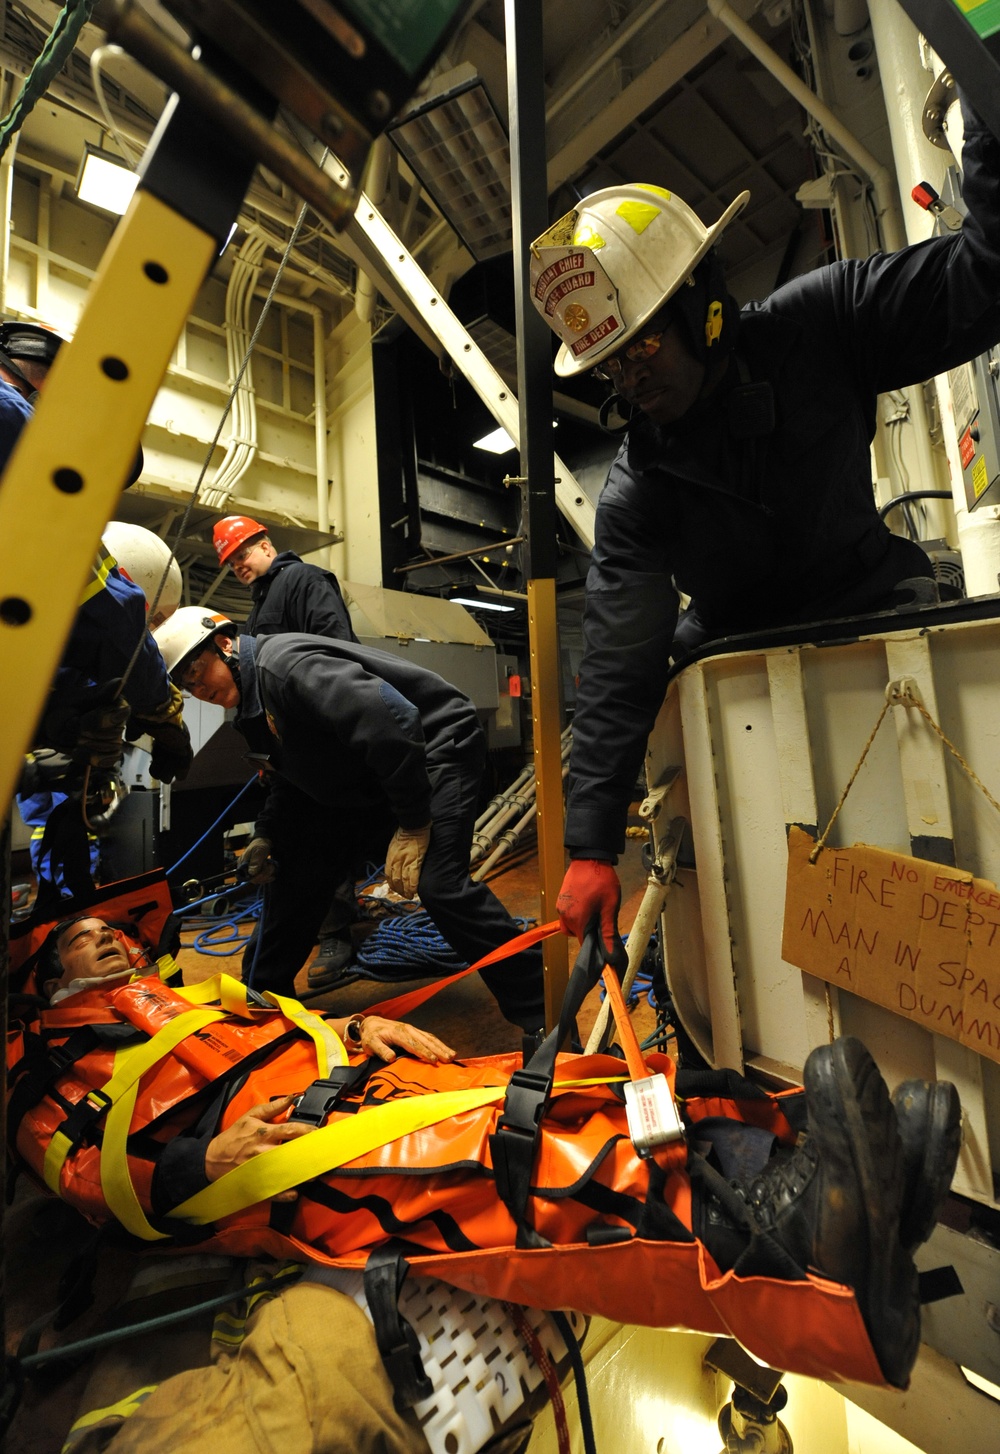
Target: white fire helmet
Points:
(187, 629)
(612, 262)
(144, 558)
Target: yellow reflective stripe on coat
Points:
(328, 1147)
(123, 1087)
(102, 567)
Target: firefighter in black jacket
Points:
(289, 594)
(373, 758)
(745, 476)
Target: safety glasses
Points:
(639, 348)
(189, 675)
(240, 555)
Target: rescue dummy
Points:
(194, 1116)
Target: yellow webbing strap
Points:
(130, 1065)
(123, 1087)
(325, 1149)
(221, 989)
(167, 967)
(334, 1145)
(232, 995)
(330, 1049)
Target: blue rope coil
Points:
(219, 937)
(409, 946)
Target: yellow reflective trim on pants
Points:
(120, 1410)
(328, 1147)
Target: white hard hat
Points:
(612, 262)
(144, 558)
(187, 629)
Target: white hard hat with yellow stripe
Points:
(607, 266)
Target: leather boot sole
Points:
(861, 1160)
(929, 1116)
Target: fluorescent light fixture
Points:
(480, 605)
(229, 239)
(978, 1381)
(456, 147)
(104, 180)
(498, 441)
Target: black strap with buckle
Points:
(514, 1143)
(323, 1096)
(398, 1344)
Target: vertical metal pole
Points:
(526, 104)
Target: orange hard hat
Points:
(229, 534)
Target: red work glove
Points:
(590, 897)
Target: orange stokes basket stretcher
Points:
(519, 1183)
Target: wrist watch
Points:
(352, 1030)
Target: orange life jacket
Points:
(597, 1227)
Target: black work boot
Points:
(834, 1204)
(929, 1116)
(330, 968)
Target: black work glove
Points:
(257, 865)
(172, 754)
(46, 771)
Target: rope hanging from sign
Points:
(901, 694)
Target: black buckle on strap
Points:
(319, 1099)
(86, 1113)
(525, 1102)
(398, 1344)
(512, 1147)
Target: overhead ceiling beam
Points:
(690, 48)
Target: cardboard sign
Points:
(915, 937)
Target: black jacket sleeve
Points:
(629, 623)
(333, 702)
(899, 318)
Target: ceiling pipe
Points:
(597, 67)
(882, 180)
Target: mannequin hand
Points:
(257, 863)
(404, 859)
(378, 1036)
(256, 1131)
(590, 897)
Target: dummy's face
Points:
(666, 384)
(252, 560)
(209, 679)
(89, 950)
